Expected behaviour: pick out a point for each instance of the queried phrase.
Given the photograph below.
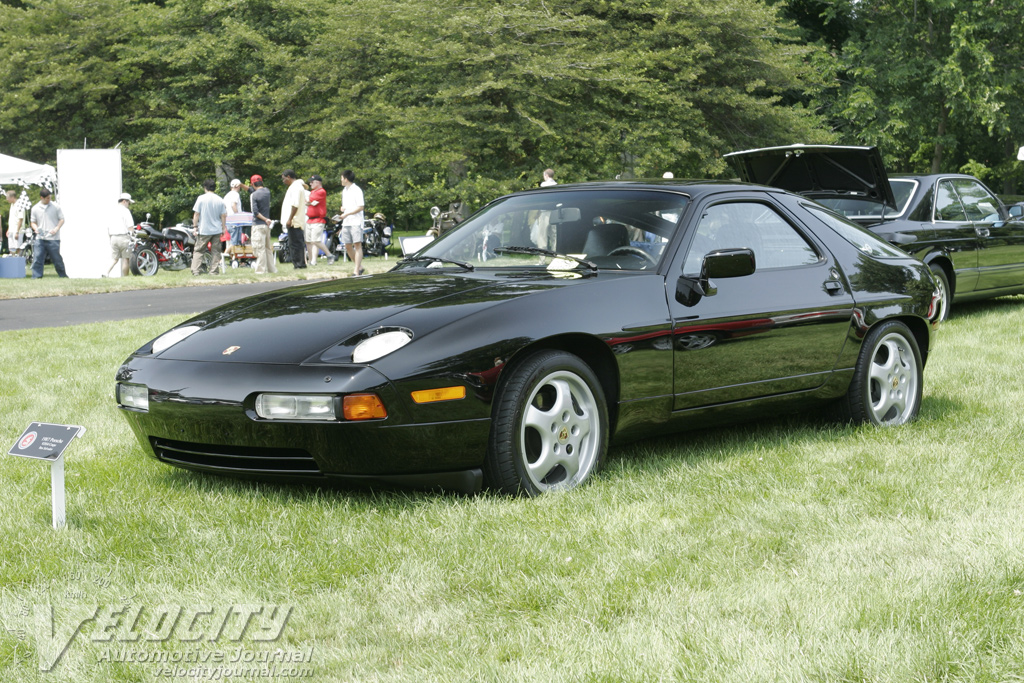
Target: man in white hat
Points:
(121, 226)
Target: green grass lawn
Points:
(786, 550)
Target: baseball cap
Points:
(256, 179)
(236, 182)
(315, 177)
(125, 195)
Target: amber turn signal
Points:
(363, 407)
(435, 395)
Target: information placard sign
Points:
(45, 441)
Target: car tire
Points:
(549, 428)
(945, 293)
(143, 261)
(887, 380)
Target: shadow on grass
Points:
(654, 456)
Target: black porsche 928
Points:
(513, 350)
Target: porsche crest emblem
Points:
(230, 350)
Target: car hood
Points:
(298, 324)
(817, 171)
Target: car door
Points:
(778, 330)
(1000, 241)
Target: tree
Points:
(934, 83)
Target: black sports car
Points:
(951, 221)
(513, 349)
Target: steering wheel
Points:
(634, 251)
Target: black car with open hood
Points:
(951, 221)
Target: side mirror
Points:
(1016, 211)
(725, 263)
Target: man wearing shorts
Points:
(352, 220)
(121, 225)
(316, 221)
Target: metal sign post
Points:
(44, 441)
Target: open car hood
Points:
(818, 171)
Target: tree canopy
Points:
(430, 101)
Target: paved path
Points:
(60, 311)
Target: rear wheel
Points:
(886, 385)
(945, 293)
(550, 426)
(143, 261)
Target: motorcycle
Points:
(376, 236)
(445, 220)
(170, 248)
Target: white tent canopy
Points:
(20, 172)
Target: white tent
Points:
(20, 172)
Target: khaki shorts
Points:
(314, 232)
(352, 234)
(120, 246)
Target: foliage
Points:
(934, 83)
(427, 100)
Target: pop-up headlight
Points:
(380, 345)
(169, 339)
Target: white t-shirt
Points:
(233, 202)
(122, 222)
(351, 199)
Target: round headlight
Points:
(169, 339)
(380, 345)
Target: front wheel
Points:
(143, 261)
(550, 426)
(886, 386)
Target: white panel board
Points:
(89, 183)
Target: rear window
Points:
(859, 237)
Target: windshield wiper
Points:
(545, 252)
(418, 259)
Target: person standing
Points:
(352, 220)
(259, 204)
(293, 217)
(316, 221)
(47, 220)
(209, 221)
(15, 223)
(120, 228)
(549, 178)
(233, 205)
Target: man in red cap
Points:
(259, 203)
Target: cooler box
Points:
(12, 267)
(244, 218)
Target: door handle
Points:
(833, 286)
(982, 232)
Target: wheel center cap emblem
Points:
(895, 382)
(563, 434)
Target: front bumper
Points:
(201, 417)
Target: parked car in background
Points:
(513, 349)
(973, 244)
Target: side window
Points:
(981, 206)
(749, 225)
(947, 204)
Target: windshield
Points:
(855, 208)
(562, 230)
